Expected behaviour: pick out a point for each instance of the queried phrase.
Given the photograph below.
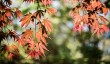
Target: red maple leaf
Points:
(10, 55)
(34, 53)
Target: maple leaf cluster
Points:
(90, 13)
(33, 40)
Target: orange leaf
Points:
(42, 47)
(85, 18)
(105, 28)
(103, 19)
(3, 17)
(47, 25)
(20, 42)
(32, 54)
(46, 2)
(8, 13)
(18, 13)
(26, 20)
(31, 43)
(105, 10)
(38, 14)
(94, 4)
(44, 40)
(51, 11)
(78, 26)
(14, 47)
(38, 36)
(27, 34)
(77, 17)
(45, 35)
(41, 37)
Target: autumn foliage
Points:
(33, 40)
(86, 13)
(90, 13)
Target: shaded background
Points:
(65, 46)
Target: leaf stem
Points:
(35, 28)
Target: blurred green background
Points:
(65, 46)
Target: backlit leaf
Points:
(51, 11)
(46, 22)
(26, 20)
(18, 13)
(8, 13)
(105, 10)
